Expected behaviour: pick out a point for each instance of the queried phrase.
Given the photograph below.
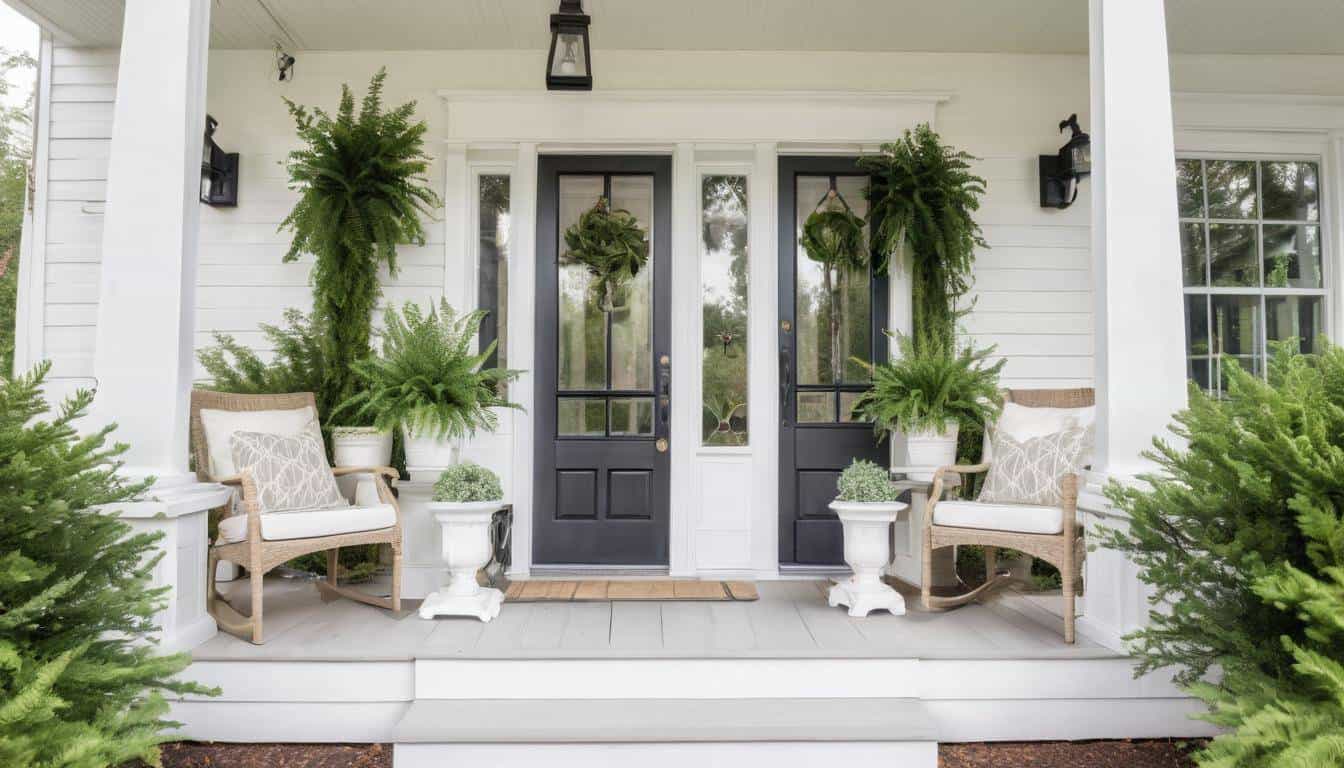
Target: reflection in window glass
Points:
(583, 324)
(723, 290)
(1255, 226)
(492, 263)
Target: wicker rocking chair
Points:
(252, 546)
(1064, 548)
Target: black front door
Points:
(827, 317)
(602, 375)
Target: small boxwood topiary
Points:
(864, 481)
(466, 483)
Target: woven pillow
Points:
(1030, 471)
(290, 472)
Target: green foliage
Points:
(833, 237)
(1239, 534)
(929, 384)
(78, 686)
(361, 178)
(923, 195)
(467, 482)
(611, 244)
(427, 378)
(298, 365)
(865, 481)
(15, 155)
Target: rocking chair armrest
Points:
(234, 480)
(936, 492)
(387, 472)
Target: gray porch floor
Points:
(791, 620)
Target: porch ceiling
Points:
(1012, 26)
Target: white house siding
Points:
(1033, 286)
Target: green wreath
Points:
(611, 245)
(833, 237)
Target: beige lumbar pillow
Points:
(1029, 471)
(290, 472)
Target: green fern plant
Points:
(923, 194)
(928, 385)
(865, 482)
(611, 244)
(362, 191)
(427, 379)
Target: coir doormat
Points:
(609, 590)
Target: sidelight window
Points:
(723, 309)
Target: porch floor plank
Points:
(791, 620)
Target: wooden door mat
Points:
(605, 590)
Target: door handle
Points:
(785, 383)
(664, 391)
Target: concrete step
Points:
(663, 733)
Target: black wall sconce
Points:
(569, 66)
(219, 170)
(1061, 173)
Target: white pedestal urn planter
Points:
(361, 447)
(932, 448)
(867, 551)
(466, 550)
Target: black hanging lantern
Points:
(1061, 173)
(569, 66)
(219, 170)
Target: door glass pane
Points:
(1197, 339)
(1290, 191)
(1193, 254)
(583, 324)
(1298, 317)
(856, 328)
(1231, 189)
(815, 407)
(632, 416)
(833, 304)
(847, 400)
(1189, 188)
(1233, 255)
(723, 291)
(1292, 256)
(1236, 332)
(632, 321)
(582, 416)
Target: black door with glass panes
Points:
(828, 315)
(602, 375)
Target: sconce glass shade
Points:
(1076, 156)
(569, 65)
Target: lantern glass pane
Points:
(571, 58)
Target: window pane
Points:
(632, 323)
(632, 416)
(1293, 256)
(1236, 332)
(1298, 317)
(1189, 188)
(816, 407)
(1193, 255)
(1233, 256)
(1197, 339)
(493, 263)
(1231, 189)
(847, 400)
(834, 305)
(580, 416)
(1290, 191)
(723, 290)
(583, 324)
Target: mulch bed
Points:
(1157, 753)
(1154, 753)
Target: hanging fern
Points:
(362, 185)
(611, 244)
(427, 378)
(923, 195)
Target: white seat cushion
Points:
(279, 526)
(1018, 518)
(219, 426)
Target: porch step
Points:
(662, 733)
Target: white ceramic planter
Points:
(466, 550)
(425, 452)
(867, 551)
(932, 449)
(361, 447)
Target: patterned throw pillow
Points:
(290, 471)
(1030, 471)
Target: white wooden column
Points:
(521, 330)
(1140, 325)
(763, 346)
(147, 301)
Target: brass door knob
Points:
(661, 444)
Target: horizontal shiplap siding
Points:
(1033, 285)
